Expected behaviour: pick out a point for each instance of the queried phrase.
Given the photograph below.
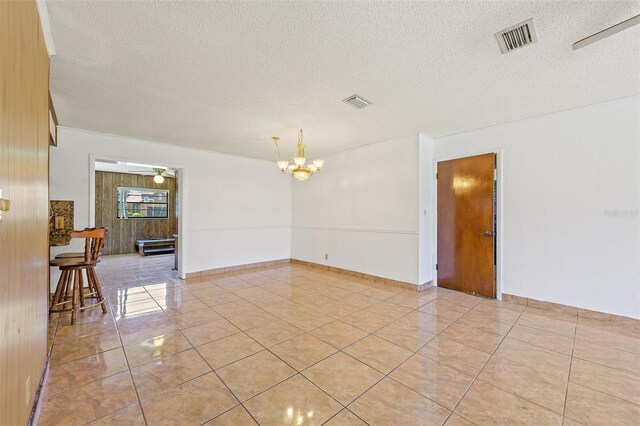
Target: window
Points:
(143, 203)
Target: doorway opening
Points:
(467, 224)
(140, 205)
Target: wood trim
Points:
(24, 229)
(123, 233)
(34, 418)
(53, 133)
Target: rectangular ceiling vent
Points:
(357, 102)
(516, 37)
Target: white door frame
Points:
(499, 212)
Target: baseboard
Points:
(34, 417)
(527, 301)
(374, 278)
(565, 309)
(236, 268)
(425, 286)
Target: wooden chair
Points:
(70, 289)
(76, 234)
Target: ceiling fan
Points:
(158, 173)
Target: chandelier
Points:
(297, 166)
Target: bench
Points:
(155, 246)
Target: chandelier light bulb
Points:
(301, 175)
(313, 168)
(283, 165)
(299, 161)
(318, 164)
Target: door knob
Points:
(487, 234)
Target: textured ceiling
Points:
(226, 76)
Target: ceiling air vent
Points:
(357, 102)
(518, 36)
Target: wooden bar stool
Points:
(70, 289)
(76, 234)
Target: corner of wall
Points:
(425, 208)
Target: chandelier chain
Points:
(277, 148)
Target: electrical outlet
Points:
(59, 222)
(326, 256)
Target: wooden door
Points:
(466, 239)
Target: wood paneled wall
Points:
(123, 233)
(24, 230)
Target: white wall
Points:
(570, 197)
(562, 175)
(235, 210)
(362, 210)
(563, 178)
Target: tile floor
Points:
(290, 345)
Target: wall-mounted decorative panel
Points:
(60, 222)
(123, 233)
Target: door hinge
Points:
(436, 175)
(436, 266)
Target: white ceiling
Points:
(226, 76)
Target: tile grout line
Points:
(240, 403)
(345, 408)
(416, 353)
(300, 372)
(264, 349)
(510, 392)
(387, 375)
(173, 387)
(135, 388)
(478, 374)
(307, 286)
(572, 354)
(566, 394)
(122, 345)
(339, 350)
